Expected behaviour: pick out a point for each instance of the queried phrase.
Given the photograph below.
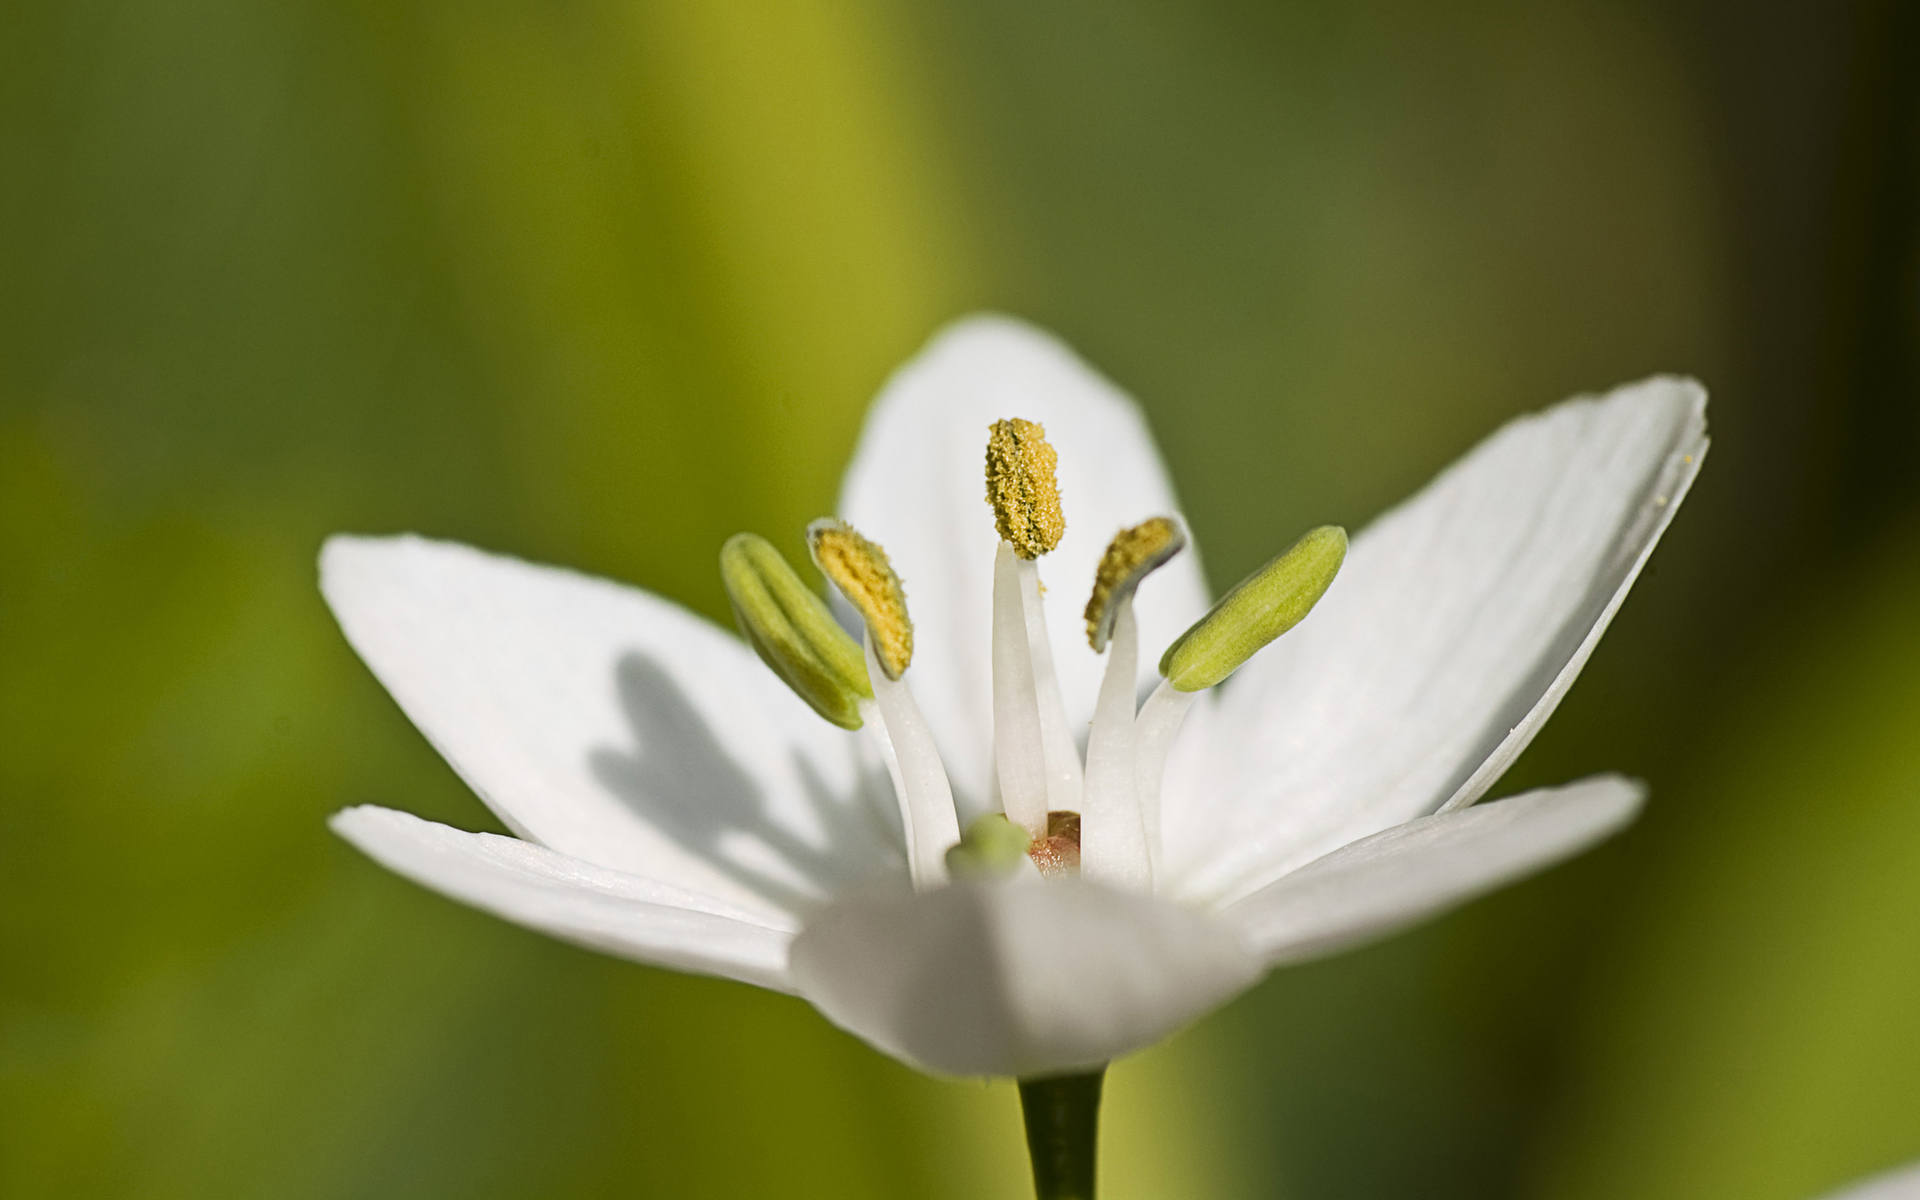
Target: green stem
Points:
(1063, 1120)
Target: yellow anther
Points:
(1022, 489)
(859, 568)
(1131, 556)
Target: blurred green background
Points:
(602, 281)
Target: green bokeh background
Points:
(601, 282)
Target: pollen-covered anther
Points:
(1022, 489)
(1131, 556)
(859, 568)
(1058, 854)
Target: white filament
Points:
(875, 727)
(919, 777)
(1019, 751)
(1158, 722)
(1064, 779)
(1113, 838)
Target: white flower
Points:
(1901, 1184)
(676, 804)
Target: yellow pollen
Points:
(859, 568)
(1131, 556)
(1022, 489)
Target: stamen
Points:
(1022, 489)
(1116, 848)
(1025, 497)
(790, 627)
(1259, 609)
(1131, 556)
(859, 568)
(919, 777)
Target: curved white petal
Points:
(614, 726)
(1018, 978)
(1903, 1184)
(573, 900)
(1457, 624)
(917, 486)
(1393, 879)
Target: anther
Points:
(859, 568)
(1131, 556)
(790, 627)
(1259, 609)
(1022, 489)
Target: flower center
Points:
(1058, 853)
(1061, 816)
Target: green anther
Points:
(791, 629)
(1263, 606)
(992, 847)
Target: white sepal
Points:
(1381, 884)
(575, 901)
(1903, 1184)
(1458, 621)
(1017, 978)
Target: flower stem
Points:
(1063, 1119)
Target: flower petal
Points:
(1903, 1184)
(1016, 978)
(917, 486)
(573, 900)
(1393, 879)
(614, 726)
(1457, 624)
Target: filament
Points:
(919, 777)
(1113, 836)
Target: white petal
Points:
(1458, 622)
(1393, 879)
(917, 485)
(614, 726)
(1019, 978)
(573, 900)
(1903, 1184)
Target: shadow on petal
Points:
(679, 779)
